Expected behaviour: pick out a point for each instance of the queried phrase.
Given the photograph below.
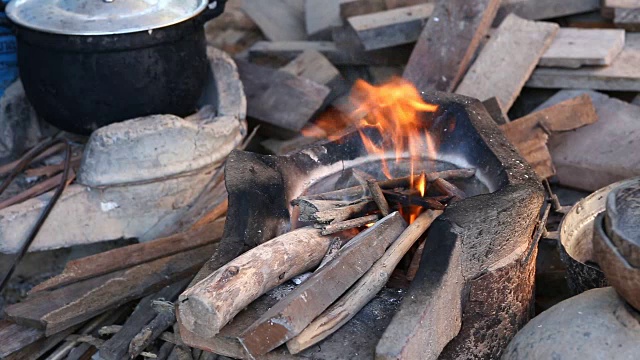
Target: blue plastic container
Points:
(8, 54)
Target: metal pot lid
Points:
(101, 17)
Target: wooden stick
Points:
(348, 194)
(415, 262)
(358, 209)
(449, 189)
(209, 305)
(165, 319)
(349, 224)
(365, 289)
(37, 189)
(6, 169)
(405, 200)
(164, 351)
(63, 308)
(332, 253)
(293, 313)
(51, 170)
(132, 255)
(378, 197)
(116, 347)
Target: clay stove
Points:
(475, 286)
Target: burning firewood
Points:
(209, 305)
(359, 201)
(378, 197)
(365, 289)
(449, 189)
(326, 211)
(349, 224)
(357, 192)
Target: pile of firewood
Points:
(304, 316)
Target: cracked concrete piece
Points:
(85, 215)
(596, 324)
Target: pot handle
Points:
(215, 8)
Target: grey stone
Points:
(154, 147)
(596, 324)
(20, 127)
(602, 153)
(85, 215)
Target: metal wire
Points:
(24, 162)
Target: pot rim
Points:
(22, 13)
(577, 224)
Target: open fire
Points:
(396, 125)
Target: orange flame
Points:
(395, 110)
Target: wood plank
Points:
(597, 155)
(292, 314)
(392, 27)
(621, 75)
(316, 67)
(545, 9)
(529, 134)
(494, 108)
(40, 347)
(132, 255)
(279, 98)
(574, 48)
(117, 347)
(38, 189)
(361, 7)
(209, 305)
(60, 309)
(609, 6)
(313, 66)
(14, 337)
(393, 4)
(50, 170)
(288, 50)
(278, 19)
(448, 43)
(321, 16)
(508, 59)
(628, 19)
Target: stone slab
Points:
(596, 324)
(597, 155)
(85, 215)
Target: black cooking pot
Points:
(85, 64)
